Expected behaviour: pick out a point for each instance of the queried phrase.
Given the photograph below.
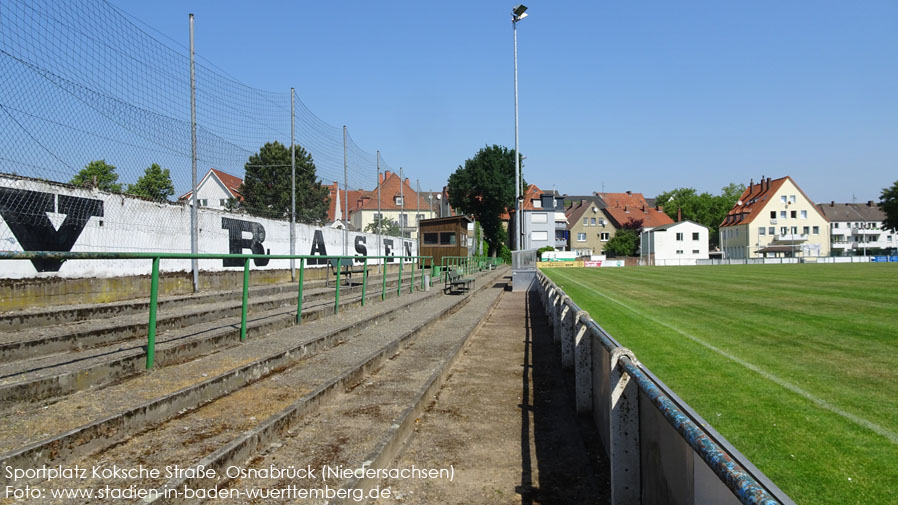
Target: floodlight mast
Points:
(517, 14)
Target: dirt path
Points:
(505, 423)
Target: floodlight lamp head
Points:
(518, 13)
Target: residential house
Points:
(215, 189)
(544, 221)
(774, 218)
(589, 228)
(856, 228)
(630, 210)
(680, 243)
(398, 201)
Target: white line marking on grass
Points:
(860, 421)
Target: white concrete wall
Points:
(114, 223)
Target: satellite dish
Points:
(595, 209)
(739, 202)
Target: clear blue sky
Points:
(643, 96)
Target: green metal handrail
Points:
(157, 257)
(467, 264)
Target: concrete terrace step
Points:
(64, 373)
(220, 426)
(99, 325)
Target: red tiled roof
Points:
(756, 197)
(631, 209)
(533, 192)
(389, 190)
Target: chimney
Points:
(679, 214)
(407, 183)
(381, 178)
(626, 209)
(386, 175)
(768, 183)
(869, 203)
(629, 192)
(751, 186)
(832, 203)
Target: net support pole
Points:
(194, 228)
(292, 183)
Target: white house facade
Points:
(679, 243)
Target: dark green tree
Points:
(625, 242)
(266, 186)
(705, 209)
(104, 175)
(484, 188)
(889, 205)
(384, 226)
(154, 184)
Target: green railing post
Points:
(383, 290)
(245, 299)
(422, 274)
(151, 329)
(399, 283)
(302, 270)
(364, 280)
(411, 285)
(337, 295)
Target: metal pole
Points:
(345, 198)
(292, 183)
(194, 228)
(151, 329)
(401, 203)
(380, 222)
(517, 160)
(245, 299)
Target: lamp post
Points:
(517, 14)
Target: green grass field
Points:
(796, 365)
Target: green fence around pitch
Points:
(341, 261)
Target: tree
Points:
(889, 205)
(705, 209)
(266, 186)
(625, 242)
(384, 226)
(484, 188)
(104, 175)
(154, 184)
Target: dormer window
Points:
(537, 203)
(397, 200)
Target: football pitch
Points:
(796, 365)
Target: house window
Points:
(679, 251)
(816, 230)
(805, 230)
(695, 235)
(222, 202)
(761, 231)
(585, 221)
(782, 214)
(783, 199)
(772, 214)
(679, 237)
(794, 230)
(581, 237)
(447, 238)
(604, 236)
(804, 214)
(397, 200)
(431, 238)
(601, 222)
(539, 218)
(835, 225)
(783, 230)
(542, 236)
(793, 214)
(419, 217)
(771, 231)
(695, 251)
(592, 221)
(791, 198)
(537, 203)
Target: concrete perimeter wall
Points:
(44, 216)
